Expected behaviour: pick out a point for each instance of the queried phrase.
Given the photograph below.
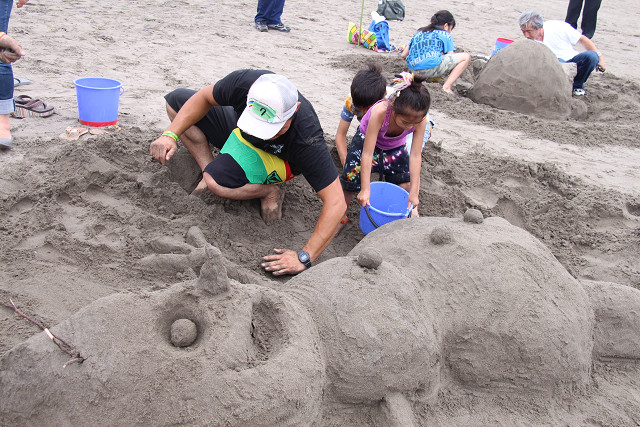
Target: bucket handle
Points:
(121, 90)
(366, 209)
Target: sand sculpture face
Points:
(524, 77)
(419, 307)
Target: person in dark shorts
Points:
(267, 133)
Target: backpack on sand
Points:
(391, 9)
(381, 30)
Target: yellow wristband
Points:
(171, 135)
(2, 34)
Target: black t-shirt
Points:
(303, 145)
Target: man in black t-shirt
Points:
(267, 133)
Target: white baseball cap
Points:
(271, 101)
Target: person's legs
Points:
(261, 16)
(272, 11)
(214, 128)
(242, 171)
(589, 17)
(463, 62)
(586, 62)
(573, 13)
(271, 196)
(261, 11)
(6, 80)
(350, 177)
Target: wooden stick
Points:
(62, 344)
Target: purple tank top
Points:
(385, 142)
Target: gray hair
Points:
(531, 17)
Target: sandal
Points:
(17, 81)
(22, 99)
(31, 108)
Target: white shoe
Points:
(578, 92)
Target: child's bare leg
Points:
(456, 72)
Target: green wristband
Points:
(171, 135)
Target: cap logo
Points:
(264, 112)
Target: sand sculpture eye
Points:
(184, 332)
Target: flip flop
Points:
(33, 108)
(18, 82)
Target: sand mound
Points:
(525, 77)
(488, 310)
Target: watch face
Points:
(304, 258)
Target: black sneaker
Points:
(262, 26)
(280, 27)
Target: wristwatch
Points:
(304, 258)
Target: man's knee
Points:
(593, 56)
(590, 59)
(171, 112)
(213, 186)
(176, 99)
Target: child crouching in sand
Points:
(430, 52)
(379, 143)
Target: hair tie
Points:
(402, 81)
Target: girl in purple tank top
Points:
(379, 144)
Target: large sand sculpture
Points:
(419, 308)
(525, 77)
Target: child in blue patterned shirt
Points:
(430, 52)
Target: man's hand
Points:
(21, 3)
(163, 148)
(284, 262)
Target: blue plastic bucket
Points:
(500, 44)
(388, 203)
(98, 100)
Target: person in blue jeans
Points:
(268, 16)
(6, 72)
(560, 37)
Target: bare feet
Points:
(447, 90)
(271, 204)
(200, 188)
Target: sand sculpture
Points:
(418, 307)
(525, 77)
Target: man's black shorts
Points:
(216, 125)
